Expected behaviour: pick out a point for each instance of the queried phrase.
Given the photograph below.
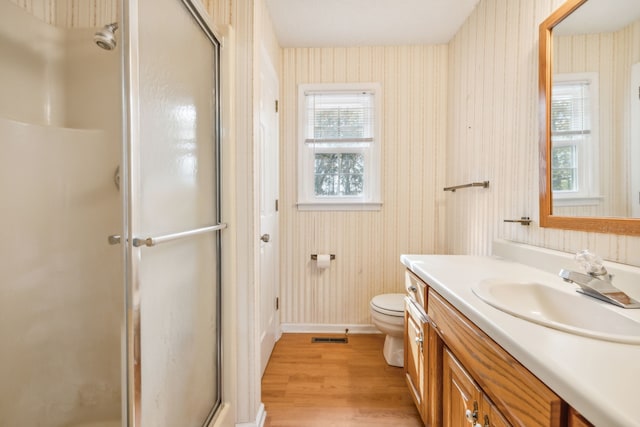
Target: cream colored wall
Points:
(493, 135)
(367, 245)
(219, 11)
(83, 13)
(490, 69)
(269, 40)
(72, 13)
(44, 10)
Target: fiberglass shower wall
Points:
(61, 283)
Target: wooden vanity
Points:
(460, 376)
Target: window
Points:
(339, 147)
(574, 153)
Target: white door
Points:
(268, 153)
(173, 242)
(635, 141)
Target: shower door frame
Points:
(131, 340)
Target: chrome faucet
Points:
(597, 283)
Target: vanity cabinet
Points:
(458, 375)
(517, 395)
(463, 400)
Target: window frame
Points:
(371, 198)
(588, 169)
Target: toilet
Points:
(387, 313)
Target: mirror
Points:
(590, 117)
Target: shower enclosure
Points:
(110, 249)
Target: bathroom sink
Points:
(564, 310)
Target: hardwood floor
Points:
(320, 385)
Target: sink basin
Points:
(565, 310)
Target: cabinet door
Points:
(490, 415)
(577, 420)
(460, 394)
(414, 360)
(523, 399)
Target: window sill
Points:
(577, 201)
(340, 206)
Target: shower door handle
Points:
(153, 241)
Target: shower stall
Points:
(110, 239)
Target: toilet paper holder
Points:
(315, 256)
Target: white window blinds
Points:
(339, 117)
(570, 109)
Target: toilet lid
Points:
(390, 304)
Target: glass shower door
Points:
(173, 216)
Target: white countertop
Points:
(600, 379)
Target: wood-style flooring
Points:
(321, 385)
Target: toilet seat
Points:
(389, 304)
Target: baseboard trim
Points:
(261, 418)
(320, 328)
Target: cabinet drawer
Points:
(521, 397)
(416, 288)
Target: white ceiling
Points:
(329, 23)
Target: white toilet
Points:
(387, 313)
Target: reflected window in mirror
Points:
(600, 37)
(574, 137)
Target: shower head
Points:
(105, 38)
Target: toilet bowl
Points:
(387, 314)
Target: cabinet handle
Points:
(413, 288)
(486, 422)
(472, 416)
(420, 341)
(469, 416)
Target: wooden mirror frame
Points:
(614, 225)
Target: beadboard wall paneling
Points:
(73, 13)
(95, 13)
(493, 135)
(367, 244)
(86, 13)
(219, 10)
(45, 10)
